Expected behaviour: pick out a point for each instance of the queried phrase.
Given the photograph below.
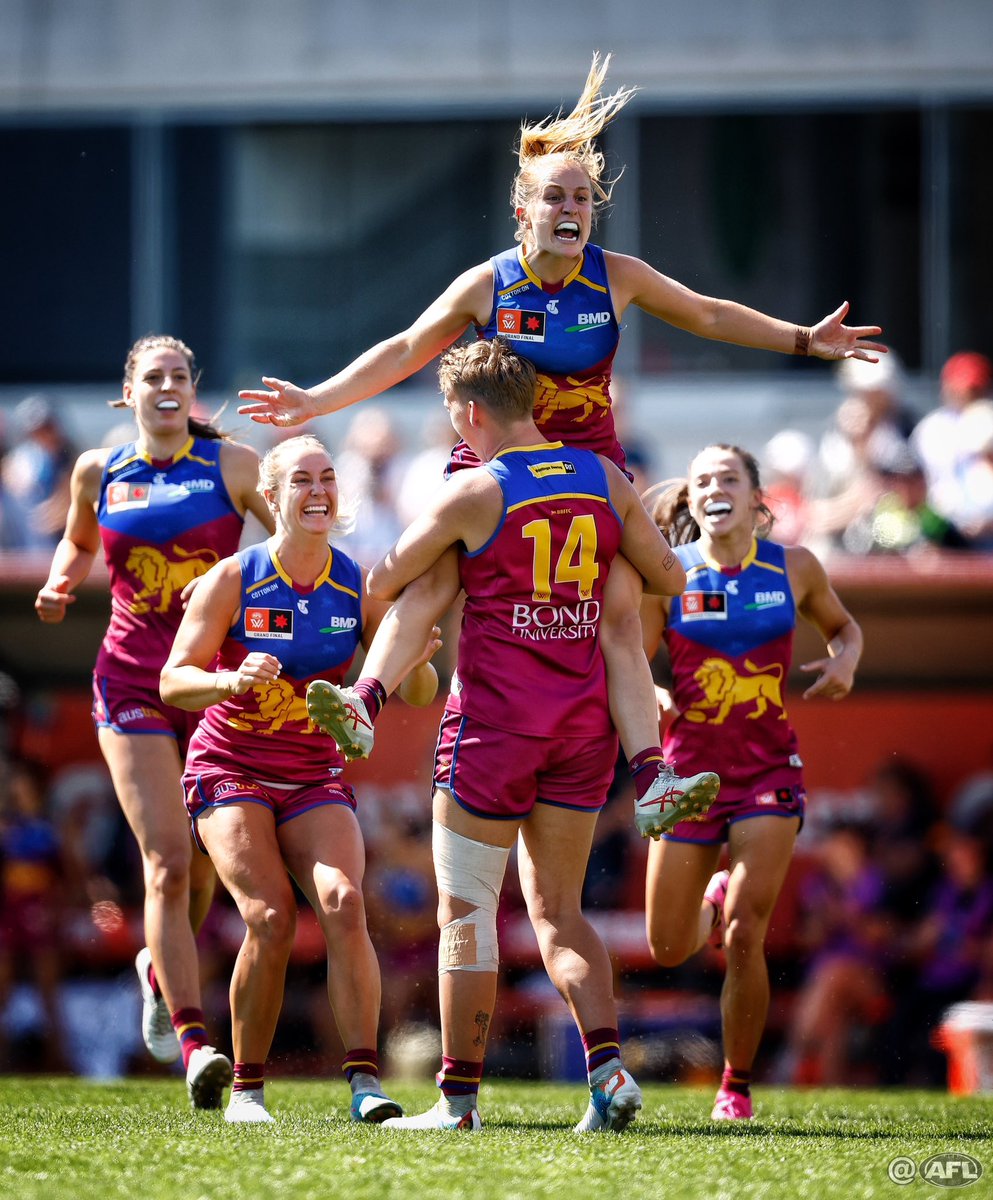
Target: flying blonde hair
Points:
(572, 138)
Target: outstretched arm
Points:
(635, 282)
(469, 298)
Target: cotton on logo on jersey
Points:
(704, 606)
(520, 324)
(122, 496)
(556, 622)
(269, 623)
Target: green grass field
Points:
(138, 1140)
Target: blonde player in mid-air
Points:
(559, 300)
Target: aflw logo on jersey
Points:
(520, 324)
(542, 470)
(269, 623)
(121, 496)
(704, 606)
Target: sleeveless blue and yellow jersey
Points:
(314, 632)
(162, 524)
(730, 642)
(529, 656)
(570, 333)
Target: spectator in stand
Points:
(36, 473)
(870, 421)
(940, 437)
(947, 951)
(371, 461)
(425, 472)
(786, 461)
(33, 881)
(904, 812)
(976, 515)
(900, 519)
(847, 933)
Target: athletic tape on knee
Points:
(471, 871)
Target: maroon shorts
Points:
(138, 708)
(492, 773)
(216, 787)
(778, 793)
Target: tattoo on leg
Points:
(482, 1026)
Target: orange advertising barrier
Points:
(948, 734)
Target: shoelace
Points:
(352, 714)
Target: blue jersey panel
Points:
(309, 632)
(569, 330)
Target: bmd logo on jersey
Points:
(520, 324)
(269, 623)
(543, 470)
(766, 600)
(704, 606)
(589, 321)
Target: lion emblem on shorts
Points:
(277, 703)
(163, 577)
(723, 688)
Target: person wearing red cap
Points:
(941, 440)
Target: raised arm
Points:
(633, 281)
(467, 299)
(75, 553)
(818, 603)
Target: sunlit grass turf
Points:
(138, 1139)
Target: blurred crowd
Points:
(891, 917)
(882, 478)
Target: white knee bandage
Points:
(470, 871)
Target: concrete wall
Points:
(391, 56)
